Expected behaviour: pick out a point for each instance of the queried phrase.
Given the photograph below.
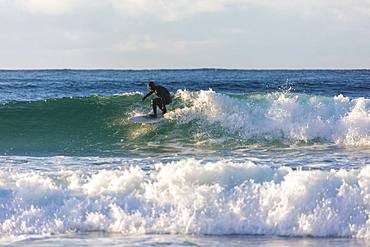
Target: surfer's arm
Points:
(148, 94)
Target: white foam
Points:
(281, 116)
(187, 197)
(129, 93)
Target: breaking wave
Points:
(99, 125)
(188, 196)
(295, 117)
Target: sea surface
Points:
(242, 158)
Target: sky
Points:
(152, 34)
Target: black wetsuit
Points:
(163, 100)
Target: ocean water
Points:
(243, 158)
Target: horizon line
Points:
(195, 68)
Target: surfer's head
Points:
(151, 86)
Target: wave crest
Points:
(296, 117)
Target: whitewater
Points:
(189, 197)
(243, 158)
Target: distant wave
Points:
(187, 197)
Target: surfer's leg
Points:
(154, 105)
(162, 106)
(164, 110)
(157, 102)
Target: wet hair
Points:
(151, 83)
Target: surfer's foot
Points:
(152, 115)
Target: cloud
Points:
(168, 10)
(136, 43)
(184, 32)
(175, 10)
(48, 7)
(314, 8)
(165, 10)
(145, 43)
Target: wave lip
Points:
(284, 116)
(188, 197)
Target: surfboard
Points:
(146, 119)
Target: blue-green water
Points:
(265, 155)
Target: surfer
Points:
(164, 98)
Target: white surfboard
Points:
(146, 119)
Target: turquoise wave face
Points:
(77, 126)
(198, 122)
(65, 126)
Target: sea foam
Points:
(187, 196)
(279, 115)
